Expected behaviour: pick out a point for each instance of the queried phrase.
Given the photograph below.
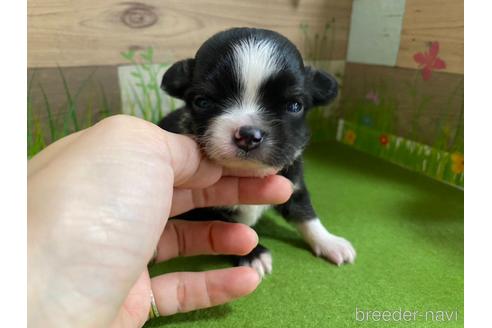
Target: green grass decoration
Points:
(439, 164)
(70, 101)
(49, 111)
(316, 47)
(106, 108)
(147, 74)
(69, 120)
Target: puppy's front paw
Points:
(262, 264)
(335, 249)
(259, 259)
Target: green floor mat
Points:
(408, 233)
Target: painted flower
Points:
(350, 137)
(373, 97)
(428, 61)
(383, 139)
(458, 165)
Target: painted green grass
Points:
(146, 95)
(319, 46)
(379, 108)
(70, 119)
(372, 121)
(438, 164)
(380, 114)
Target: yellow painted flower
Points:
(458, 163)
(350, 137)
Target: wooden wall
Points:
(93, 32)
(92, 88)
(433, 20)
(79, 36)
(408, 106)
(83, 36)
(427, 109)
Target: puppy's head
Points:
(248, 93)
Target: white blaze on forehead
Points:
(255, 60)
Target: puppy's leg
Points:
(299, 211)
(259, 259)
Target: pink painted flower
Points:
(373, 96)
(428, 61)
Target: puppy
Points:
(247, 93)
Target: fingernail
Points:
(256, 235)
(291, 185)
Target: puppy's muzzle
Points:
(248, 137)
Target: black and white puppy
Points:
(247, 93)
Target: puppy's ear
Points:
(323, 86)
(177, 78)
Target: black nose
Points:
(248, 137)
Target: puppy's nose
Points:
(248, 137)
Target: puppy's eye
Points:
(294, 107)
(202, 103)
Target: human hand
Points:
(98, 202)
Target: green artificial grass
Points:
(408, 233)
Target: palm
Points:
(135, 308)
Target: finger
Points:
(249, 172)
(188, 291)
(191, 170)
(179, 153)
(187, 238)
(274, 189)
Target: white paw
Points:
(335, 249)
(262, 264)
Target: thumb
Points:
(191, 169)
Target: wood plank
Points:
(92, 32)
(397, 110)
(427, 21)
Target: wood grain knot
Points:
(139, 15)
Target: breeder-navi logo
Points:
(400, 314)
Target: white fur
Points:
(220, 144)
(262, 264)
(297, 186)
(255, 61)
(324, 244)
(249, 214)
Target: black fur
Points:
(211, 74)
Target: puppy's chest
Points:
(248, 214)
